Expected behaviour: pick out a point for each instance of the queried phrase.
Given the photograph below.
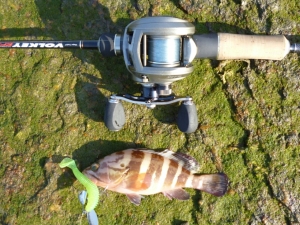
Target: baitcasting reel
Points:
(158, 51)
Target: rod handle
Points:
(236, 46)
(224, 46)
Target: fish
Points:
(139, 172)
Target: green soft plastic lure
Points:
(92, 189)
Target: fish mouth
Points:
(92, 176)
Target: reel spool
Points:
(164, 51)
(157, 51)
(159, 48)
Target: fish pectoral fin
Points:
(177, 193)
(135, 198)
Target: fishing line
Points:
(164, 51)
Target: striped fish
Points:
(137, 172)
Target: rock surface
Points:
(52, 105)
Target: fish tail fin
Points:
(215, 184)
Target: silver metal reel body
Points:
(136, 49)
(157, 51)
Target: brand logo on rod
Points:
(36, 45)
(6, 44)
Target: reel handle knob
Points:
(114, 115)
(187, 119)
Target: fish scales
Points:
(156, 171)
(143, 166)
(137, 169)
(137, 172)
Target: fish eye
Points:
(94, 167)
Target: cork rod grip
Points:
(237, 46)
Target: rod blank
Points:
(80, 44)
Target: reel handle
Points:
(187, 119)
(114, 115)
(223, 46)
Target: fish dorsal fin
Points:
(187, 161)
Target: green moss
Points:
(52, 105)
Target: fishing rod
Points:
(159, 51)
